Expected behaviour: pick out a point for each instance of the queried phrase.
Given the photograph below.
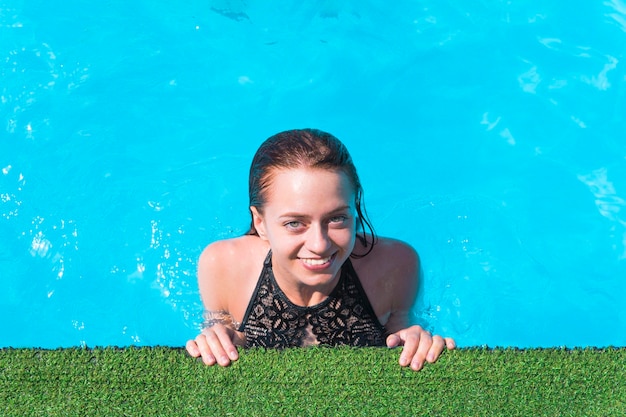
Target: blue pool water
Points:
(490, 135)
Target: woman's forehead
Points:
(304, 185)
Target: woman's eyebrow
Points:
(295, 215)
(340, 209)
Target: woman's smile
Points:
(317, 264)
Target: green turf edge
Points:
(313, 382)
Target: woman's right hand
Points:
(214, 345)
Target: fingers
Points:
(221, 347)
(421, 350)
(416, 342)
(419, 346)
(192, 348)
(393, 340)
(450, 343)
(214, 345)
(435, 349)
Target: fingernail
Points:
(430, 357)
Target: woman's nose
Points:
(318, 241)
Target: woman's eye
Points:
(337, 219)
(293, 225)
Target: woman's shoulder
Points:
(227, 272)
(231, 256)
(391, 254)
(391, 245)
(389, 275)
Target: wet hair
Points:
(306, 148)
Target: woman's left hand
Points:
(418, 346)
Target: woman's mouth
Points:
(315, 263)
(321, 261)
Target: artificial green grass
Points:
(312, 382)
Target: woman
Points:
(307, 272)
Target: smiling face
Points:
(309, 221)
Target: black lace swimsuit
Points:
(346, 317)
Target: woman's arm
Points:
(419, 346)
(219, 337)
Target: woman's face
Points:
(309, 220)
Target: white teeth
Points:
(316, 261)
